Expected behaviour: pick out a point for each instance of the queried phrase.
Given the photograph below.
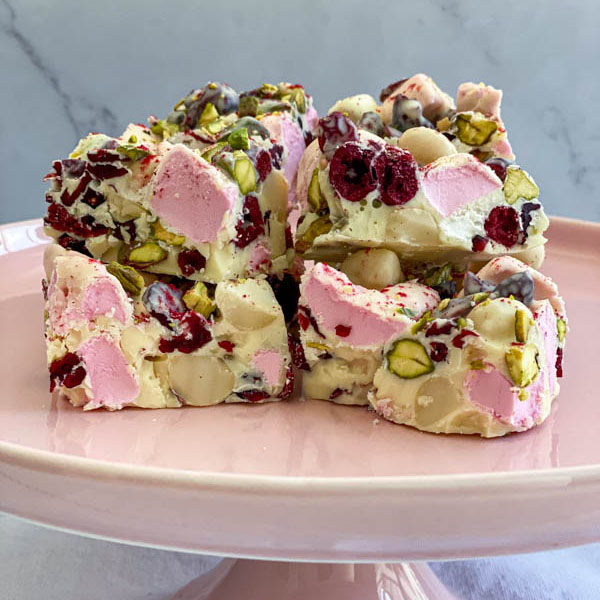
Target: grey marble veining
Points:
(69, 67)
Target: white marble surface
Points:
(68, 67)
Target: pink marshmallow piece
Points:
(450, 184)
(112, 381)
(191, 195)
(479, 98)
(270, 364)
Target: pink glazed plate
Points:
(299, 480)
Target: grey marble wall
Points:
(68, 67)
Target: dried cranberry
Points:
(297, 353)
(303, 321)
(503, 225)
(68, 371)
(61, 220)
(397, 174)
(343, 330)
(263, 164)
(436, 329)
(127, 227)
(526, 210)
(192, 332)
(559, 362)
(226, 345)
(479, 243)
(190, 261)
(252, 223)
(93, 198)
(164, 302)
(288, 388)
(69, 243)
(103, 171)
(253, 395)
(68, 198)
(336, 393)
(287, 293)
(310, 318)
(388, 90)
(439, 351)
(103, 156)
(335, 130)
(72, 168)
(498, 165)
(351, 171)
(289, 238)
(458, 341)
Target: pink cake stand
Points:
(343, 498)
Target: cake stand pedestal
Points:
(272, 580)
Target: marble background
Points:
(68, 67)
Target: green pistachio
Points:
(238, 139)
(409, 359)
(474, 130)
(147, 254)
(243, 172)
(523, 324)
(209, 114)
(130, 279)
(477, 365)
(518, 184)
(164, 129)
(132, 151)
(521, 362)
(320, 226)
(561, 328)
(314, 192)
(197, 299)
(160, 233)
(248, 106)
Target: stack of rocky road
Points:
(388, 251)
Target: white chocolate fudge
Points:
(483, 363)
(115, 338)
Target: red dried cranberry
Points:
(397, 174)
(559, 362)
(336, 393)
(289, 238)
(263, 164)
(498, 165)
(226, 345)
(351, 171)
(103, 171)
(297, 353)
(436, 329)
(253, 395)
(71, 167)
(104, 156)
(479, 243)
(335, 130)
(303, 321)
(61, 220)
(69, 243)
(67, 198)
(190, 261)
(93, 198)
(192, 332)
(503, 225)
(311, 320)
(252, 223)
(459, 340)
(439, 351)
(68, 371)
(288, 388)
(343, 330)
(127, 227)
